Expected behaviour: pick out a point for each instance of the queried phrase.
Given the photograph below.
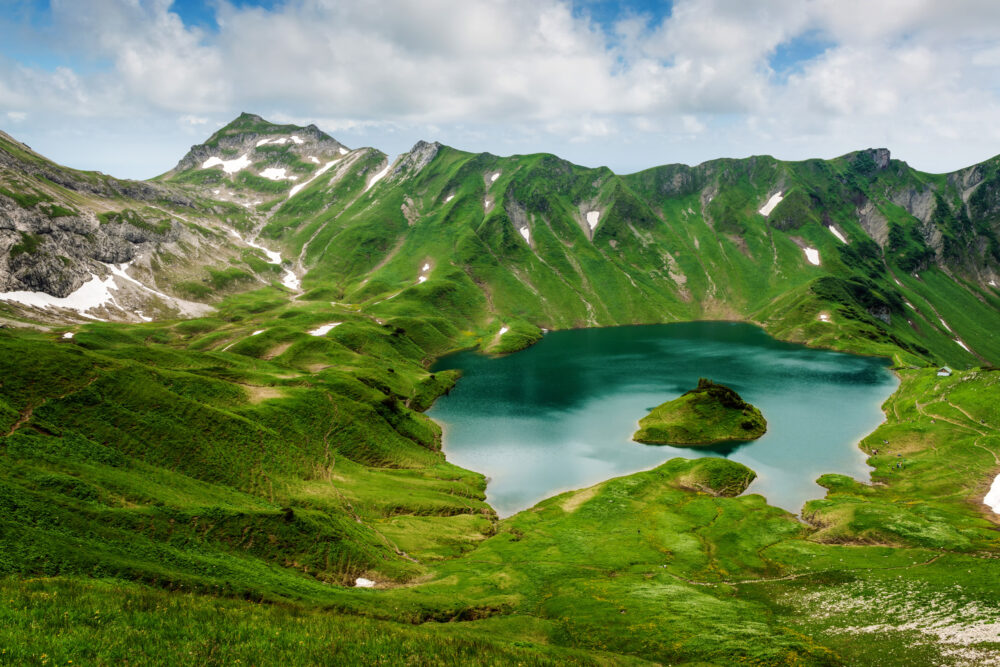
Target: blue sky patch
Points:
(790, 57)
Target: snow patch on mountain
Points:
(325, 329)
(377, 177)
(322, 170)
(278, 174)
(92, 294)
(592, 218)
(992, 499)
(766, 209)
(836, 232)
(812, 255)
(228, 166)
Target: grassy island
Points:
(706, 415)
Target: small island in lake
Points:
(709, 414)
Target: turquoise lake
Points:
(560, 415)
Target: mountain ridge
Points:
(266, 468)
(636, 254)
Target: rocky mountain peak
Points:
(258, 139)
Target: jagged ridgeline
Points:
(860, 252)
(247, 421)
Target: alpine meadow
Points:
(296, 403)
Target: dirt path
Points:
(25, 416)
(966, 427)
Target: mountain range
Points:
(214, 382)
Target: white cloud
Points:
(919, 75)
(16, 116)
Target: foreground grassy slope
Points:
(640, 567)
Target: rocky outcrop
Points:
(918, 203)
(419, 157)
(242, 136)
(874, 223)
(57, 255)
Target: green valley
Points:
(218, 448)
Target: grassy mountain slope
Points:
(227, 478)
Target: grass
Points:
(709, 414)
(213, 487)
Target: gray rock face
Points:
(881, 157)
(881, 312)
(918, 203)
(419, 157)
(56, 256)
(873, 222)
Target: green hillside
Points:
(208, 490)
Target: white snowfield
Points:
(68, 334)
(504, 330)
(992, 499)
(314, 159)
(289, 279)
(494, 177)
(228, 166)
(526, 233)
(92, 294)
(343, 151)
(361, 582)
(322, 170)
(119, 271)
(448, 198)
(325, 329)
(812, 255)
(592, 218)
(836, 232)
(964, 346)
(280, 140)
(766, 209)
(377, 177)
(276, 174)
(257, 333)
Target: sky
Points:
(127, 86)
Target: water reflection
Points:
(560, 415)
